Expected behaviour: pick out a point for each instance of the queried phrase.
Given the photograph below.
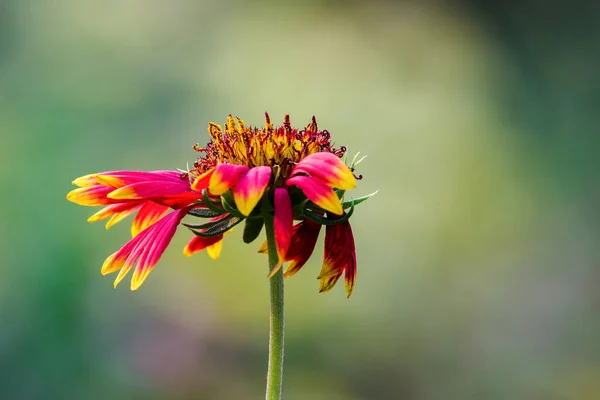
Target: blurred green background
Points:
(478, 259)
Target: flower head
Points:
(242, 174)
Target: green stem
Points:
(275, 369)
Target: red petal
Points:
(304, 239)
(283, 225)
(340, 257)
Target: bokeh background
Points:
(478, 259)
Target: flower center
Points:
(281, 146)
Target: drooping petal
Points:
(145, 249)
(318, 192)
(148, 215)
(197, 244)
(225, 177)
(339, 258)
(327, 167)
(304, 239)
(250, 188)
(283, 224)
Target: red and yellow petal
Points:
(91, 196)
(224, 177)
(214, 250)
(115, 209)
(86, 180)
(149, 213)
(318, 192)
(144, 249)
(202, 181)
(212, 245)
(329, 168)
(149, 189)
(118, 217)
(250, 188)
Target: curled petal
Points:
(145, 249)
(327, 167)
(250, 188)
(318, 192)
(304, 239)
(339, 258)
(225, 177)
(149, 213)
(283, 225)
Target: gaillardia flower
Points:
(274, 175)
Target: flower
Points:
(243, 174)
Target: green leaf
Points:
(252, 229)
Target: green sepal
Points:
(252, 229)
(319, 219)
(205, 225)
(204, 213)
(229, 205)
(339, 193)
(358, 200)
(209, 203)
(220, 228)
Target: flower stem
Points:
(275, 369)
